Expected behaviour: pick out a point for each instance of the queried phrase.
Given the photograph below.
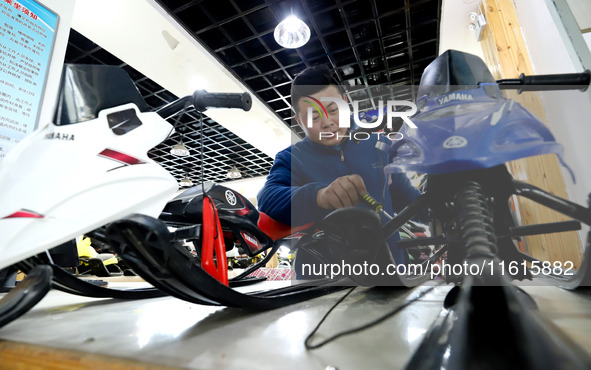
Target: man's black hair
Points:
(310, 81)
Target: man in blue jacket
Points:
(326, 170)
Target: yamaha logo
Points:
(454, 142)
(230, 197)
(58, 136)
(455, 96)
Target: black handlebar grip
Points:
(203, 100)
(564, 81)
(567, 79)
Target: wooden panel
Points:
(506, 54)
(23, 356)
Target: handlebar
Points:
(202, 100)
(564, 81)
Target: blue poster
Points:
(27, 31)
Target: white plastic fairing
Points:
(79, 177)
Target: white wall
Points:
(453, 30)
(567, 112)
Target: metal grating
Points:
(371, 45)
(222, 148)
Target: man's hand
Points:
(345, 191)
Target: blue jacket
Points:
(289, 194)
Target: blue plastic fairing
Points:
(467, 129)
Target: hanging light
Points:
(292, 33)
(234, 173)
(180, 150)
(186, 181)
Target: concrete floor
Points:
(172, 332)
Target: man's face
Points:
(328, 125)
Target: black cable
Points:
(176, 124)
(201, 147)
(178, 117)
(359, 328)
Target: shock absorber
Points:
(474, 222)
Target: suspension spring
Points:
(474, 221)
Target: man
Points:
(326, 171)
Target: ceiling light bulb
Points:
(186, 181)
(180, 150)
(198, 83)
(234, 173)
(292, 33)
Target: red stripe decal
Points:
(120, 157)
(23, 213)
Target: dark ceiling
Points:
(366, 42)
(374, 47)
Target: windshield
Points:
(88, 89)
(456, 110)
